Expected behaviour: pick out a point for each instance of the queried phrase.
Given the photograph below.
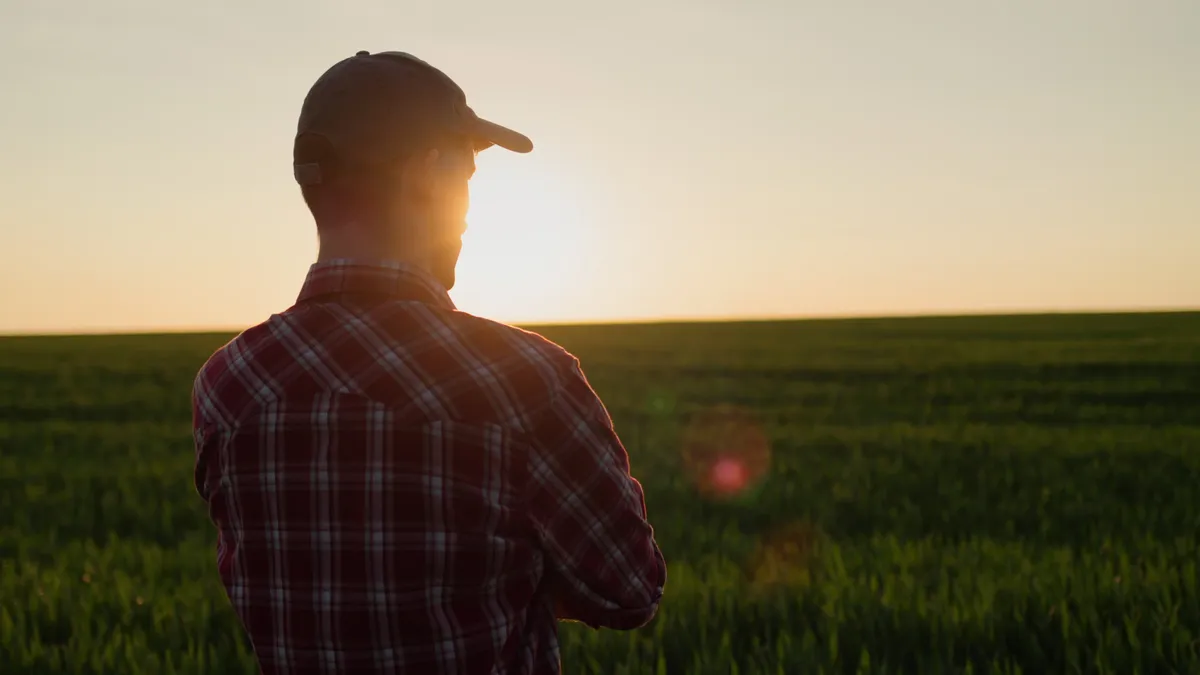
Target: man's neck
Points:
(350, 244)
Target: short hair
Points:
(353, 187)
(342, 186)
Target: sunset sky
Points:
(693, 159)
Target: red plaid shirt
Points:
(400, 487)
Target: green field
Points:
(983, 494)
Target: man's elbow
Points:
(633, 612)
(618, 598)
(630, 619)
(646, 607)
(624, 618)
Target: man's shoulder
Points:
(221, 383)
(251, 343)
(382, 354)
(505, 343)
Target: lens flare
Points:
(660, 402)
(725, 451)
(785, 557)
(729, 474)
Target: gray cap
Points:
(370, 109)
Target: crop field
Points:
(933, 495)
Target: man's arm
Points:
(201, 434)
(604, 566)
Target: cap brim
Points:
(490, 133)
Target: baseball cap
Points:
(370, 109)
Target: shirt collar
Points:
(377, 277)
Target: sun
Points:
(525, 253)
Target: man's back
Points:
(401, 487)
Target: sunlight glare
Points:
(526, 249)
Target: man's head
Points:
(385, 147)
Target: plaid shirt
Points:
(400, 487)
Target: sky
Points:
(698, 159)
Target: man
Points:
(397, 486)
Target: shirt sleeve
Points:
(201, 437)
(604, 567)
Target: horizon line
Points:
(645, 321)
